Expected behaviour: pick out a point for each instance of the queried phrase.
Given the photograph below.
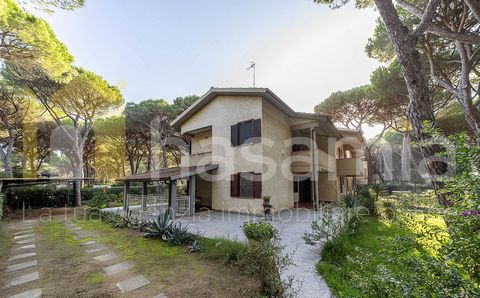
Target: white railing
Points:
(183, 205)
(143, 206)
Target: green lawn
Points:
(387, 259)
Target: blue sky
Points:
(165, 49)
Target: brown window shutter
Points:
(257, 185)
(234, 135)
(234, 185)
(257, 130)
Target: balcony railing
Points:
(301, 161)
(197, 159)
(350, 166)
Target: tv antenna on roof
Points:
(252, 66)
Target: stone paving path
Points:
(127, 280)
(22, 264)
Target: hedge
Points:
(39, 196)
(2, 205)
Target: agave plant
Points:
(159, 226)
(178, 234)
(195, 247)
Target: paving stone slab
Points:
(22, 266)
(25, 241)
(96, 248)
(22, 256)
(23, 279)
(23, 236)
(23, 247)
(75, 229)
(117, 268)
(28, 231)
(106, 257)
(35, 293)
(81, 237)
(88, 243)
(132, 284)
(161, 295)
(24, 228)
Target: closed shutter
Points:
(234, 185)
(257, 185)
(234, 136)
(257, 130)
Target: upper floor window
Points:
(246, 132)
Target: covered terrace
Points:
(181, 185)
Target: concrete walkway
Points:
(291, 223)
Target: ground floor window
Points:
(246, 185)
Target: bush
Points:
(259, 231)
(2, 205)
(116, 220)
(172, 232)
(264, 259)
(39, 196)
(351, 201)
(102, 200)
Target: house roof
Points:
(353, 133)
(260, 92)
(169, 173)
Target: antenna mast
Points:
(252, 66)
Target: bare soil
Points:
(67, 271)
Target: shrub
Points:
(39, 196)
(102, 200)
(351, 201)
(2, 205)
(264, 259)
(259, 231)
(174, 233)
(334, 222)
(117, 220)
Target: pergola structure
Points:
(170, 176)
(25, 181)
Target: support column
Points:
(192, 190)
(126, 190)
(144, 195)
(173, 198)
(313, 151)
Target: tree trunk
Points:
(420, 107)
(164, 155)
(6, 155)
(370, 165)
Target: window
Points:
(246, 132)
(300, 147)
(246, 185)
(342, 184)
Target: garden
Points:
(376, 244)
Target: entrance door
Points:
(305, 190)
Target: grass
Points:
(96, 278)
(386, 259)
(182, 272)
(223, 250)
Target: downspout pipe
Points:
(313, 149)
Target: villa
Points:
(245, 144)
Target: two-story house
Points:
(246, 143)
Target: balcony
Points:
(197, 159)
(350, 167)
(301, 161)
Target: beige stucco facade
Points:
(209, 128)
